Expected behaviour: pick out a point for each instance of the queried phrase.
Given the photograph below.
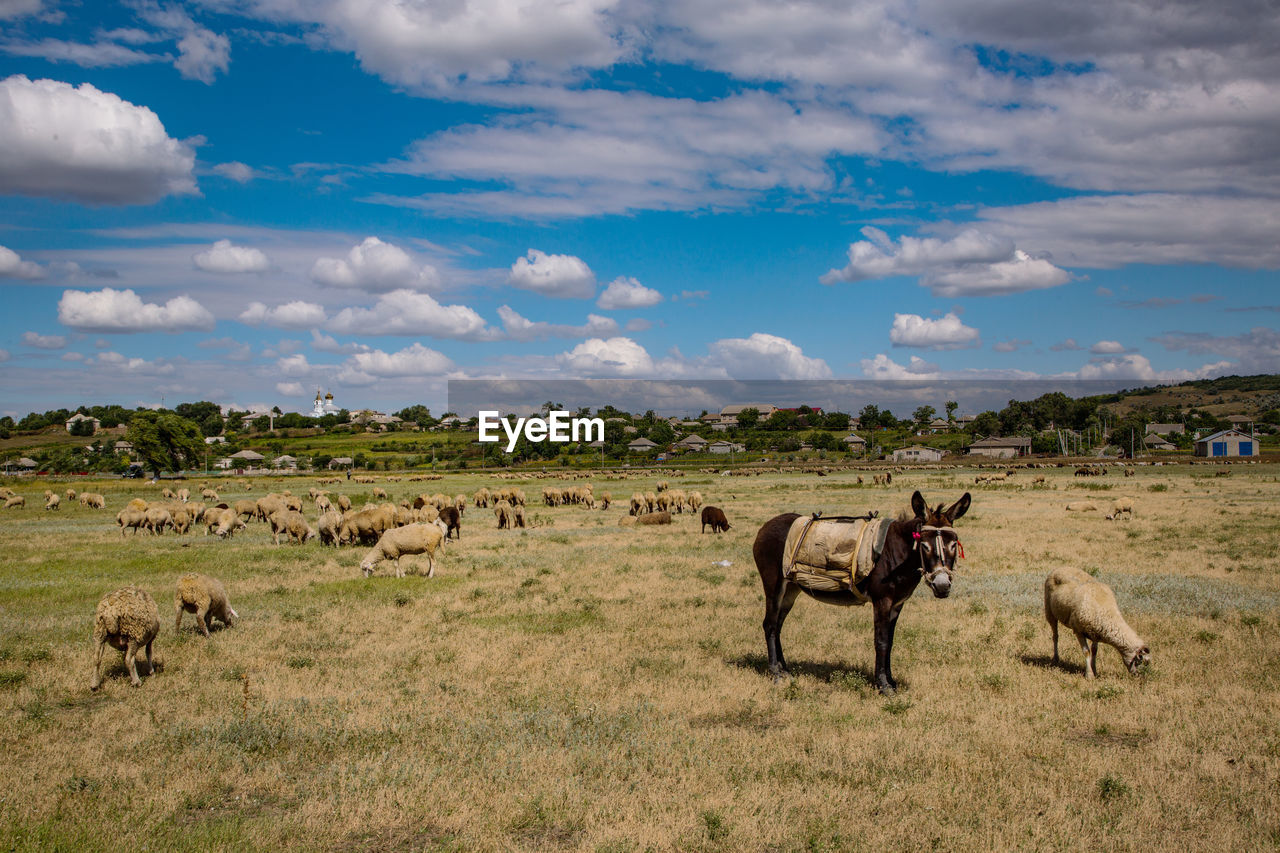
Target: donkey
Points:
(922, 547)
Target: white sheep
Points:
(1081, 506)
(399, 541)
(204, 596)
(1088, 607)
(1120, 505)
(293, 524)
(51, 500)
(128, 620)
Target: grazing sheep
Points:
(51, 500)
(517, 516)
(694, 501)
(714, 516)
(323, 503)
(15, 502)
(127, 620)
(224, 522)
(246, 508)
(1120, 505)
(181, 520)
(637, 504)
(137, 503)
(1081, 506)
(93, 500)
(656, 517)
(293, 525)
(130, 519)
(453, 518)
(1088, 607)
(71, 494)
(344, 503)
(400, 541)
(327, 526)
(204, 596)
(168, 494)
(157, 519)
(483, 498)
(207, 494)
(605, 500)
(502, 511)
(379, 492)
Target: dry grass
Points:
(588, 687)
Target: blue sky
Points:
(248, 200)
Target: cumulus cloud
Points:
(1011, 345)
(38, 341)
(628, 293)
(227, 258)
(236, 171)
(413, 361)
(764, 356)
(202, 54)
(133, 364)
(291, 389)
(109, 310)
(83, 144)
(13, 266)
(321, 342)
(404, 312)
(1068, 345)
(1255, 351)
(1134, 366)
(948, 332)
(557, 276)
(290, 315)
(98, 54)
(884, 368)
(973, 263)
(1108, 348)
(617, 356)
(294, 365)
(518, 328)
(377, 267)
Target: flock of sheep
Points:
(128, 619)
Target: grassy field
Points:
(585, 686)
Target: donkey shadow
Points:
(827, 672)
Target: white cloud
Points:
(72, 356)
(13, 266)
(236, 171)
(11, 10)
(291, 389)
(404, 312)
(628, 293)
(290, 315)
(413, 361)
(1011, 345)
(1134, 366)
(236, 351)
(99, 54)
(884, 368)
(134, 364)
(1068, 345)
(87, 145)
(294, 365)
(764, 356)
(202, 54)
(109, 310)
(377, 267)
(1108, 348)
(945, 333)
(1255, 351)
(557, 276)
(225, 257)
(617, 356)
(973, 263)
(32, 339)
(518, 328)
(321, 342)
(638, 324)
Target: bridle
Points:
(939, 549)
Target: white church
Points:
(323, 405)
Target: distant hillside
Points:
(1227, 395)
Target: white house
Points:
(917, 453)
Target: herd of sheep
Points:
(128, 619)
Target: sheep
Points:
(657, 517)
(1120, 505)
(396, 543)
(130, 519)
(168, 494)
(51, 500)
(1081, 506)
(344, 503)
(15, 502)
(502, 512)
(323, 504)
(181, 520)
(460, 501)
(517, 516)
(157, 519)
(714, 516)
(204, 596)
(327, 526)
(246, 508)
(650, 501)
(128, 620)
(292, 524)
(207, 494)
(637, 504)
(482, 498)
(379, 492)
(93, 500)
(268, 505)
(137, 503)
(694, 501)
(71, 494)
(224, 522)
(451, 517)
(605, 500)
(1088, 607)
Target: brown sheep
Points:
(714, 516)
(451, 517)
(659, 517)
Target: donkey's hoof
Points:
(783, 677)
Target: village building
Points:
(1166, 429)
(725, 447)
(1227, 443)
(641, 445)
(917, 453)
(77, 418)
(854, 442)
(996, 447)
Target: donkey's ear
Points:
(958, 508)
(918, 505)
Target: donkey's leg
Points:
(776, 607)
(888, 654)
(789, 594)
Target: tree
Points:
(923, 415)
(163, 441)
(661, 433)
(985, 424)
(749, 417)
(82, 428)
(836, 420)
(951, 405)
(418, 414)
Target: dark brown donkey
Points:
(923, 547)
